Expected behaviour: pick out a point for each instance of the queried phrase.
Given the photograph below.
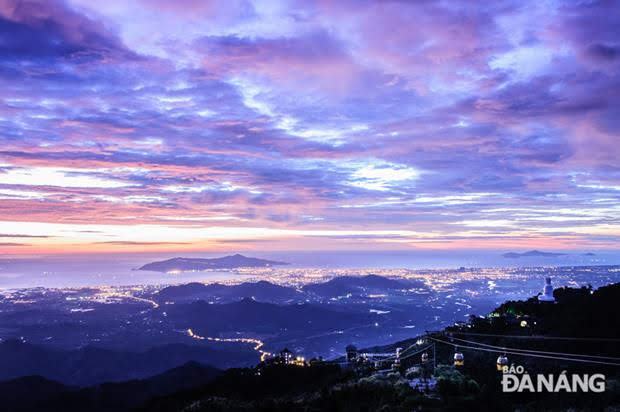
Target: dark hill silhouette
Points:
(227, 262)
(34, 393)
(358, 284)
(268, 292)
(260, 317)
(29, 392)
(91, 365)
(262, 291)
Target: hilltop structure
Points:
(351, 353)
(547, 295)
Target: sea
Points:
(106, 269)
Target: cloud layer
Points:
(311, 124)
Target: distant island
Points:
(531, 253)
(181, 264)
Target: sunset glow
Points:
(308, 125)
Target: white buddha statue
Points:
(547, 295)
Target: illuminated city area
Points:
(315, 312)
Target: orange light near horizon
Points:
(59, 238)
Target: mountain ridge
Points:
(182, 264)
(531, 253)
(261, 290)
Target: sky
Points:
(215, 125)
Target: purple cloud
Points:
(496, 123)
